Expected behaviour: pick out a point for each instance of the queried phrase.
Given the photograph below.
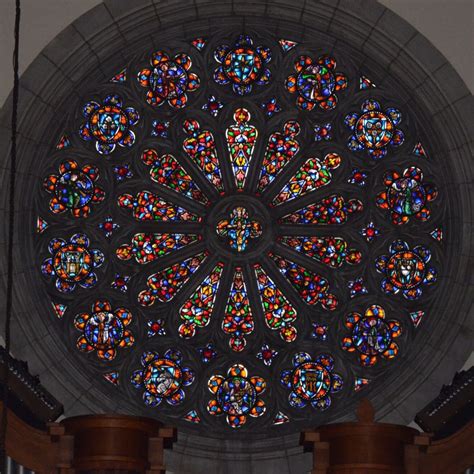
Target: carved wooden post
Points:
(156, 445)
(311, 441)
(364, 447)
(64, 447)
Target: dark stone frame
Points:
(404, 62)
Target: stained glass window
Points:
(238, 319)
(244, 231)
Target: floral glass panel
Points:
(313, 175)
(147, 206)
(331, 210)
(279, 314)
(146, 248)
(281, 148)
(332, 251)
(166, 170)
(201, 148)
(241, 138)
(197, 309)
(164, 285)
(312, 288)
(238, 319)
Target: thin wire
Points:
(11, 228)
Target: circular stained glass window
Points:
(235, 228)
(239, 232)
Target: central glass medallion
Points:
(239, 228)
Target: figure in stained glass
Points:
(104, 330)
(239, 229)
(406, 195)
(168, 80)
(316, 82)
(371, 335)
(162, 378)
(74, 189)
(72, 263)
(236, 395)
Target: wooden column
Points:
(96, 444)
(363, 447)
(102, 443)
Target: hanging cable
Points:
(11, 226)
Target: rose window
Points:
(253, 239)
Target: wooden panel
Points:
(116, 442)
(96, 444)
(28, 446)
(454, 454)
(371, 447)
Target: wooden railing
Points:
(453, 454)
(110, 443)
